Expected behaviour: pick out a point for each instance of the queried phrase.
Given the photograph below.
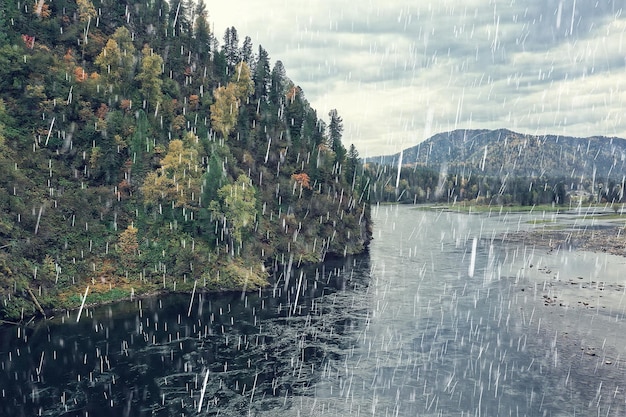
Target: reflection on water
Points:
(428, 323)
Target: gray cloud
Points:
(399, 72)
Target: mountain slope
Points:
(502, 152)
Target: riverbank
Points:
(594, 279)
(578, 300)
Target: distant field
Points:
(603, 212)
(479, 208)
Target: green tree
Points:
(296, 108)
(230, 49)
(335, 131)
(246, 50)
(203, 37)
(3, 22)
(278, 81)
(180, 24)
(109, 61)
(238, 206)
(150, 76)
(262, 75)
(352, 164)
(214, 178)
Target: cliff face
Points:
(137, 154)
(501, 152)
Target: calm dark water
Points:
(431, 322)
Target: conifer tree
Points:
(230, 48)
(335, 131)
(202, 33)
(246, 51)
(277, 86)
(262, 75)
(352, 164)
(3, 22)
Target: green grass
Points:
(612, 216)
(114, 294)
(479, 208)
(541, 221)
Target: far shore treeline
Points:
(141, 152)
(500, 167)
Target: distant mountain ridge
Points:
(501, 152)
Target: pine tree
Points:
(335, 131)
(180, 19)
(3, 23)
(202, 34)
(246, 51)
(352, 164)
(262, 75)
(231, 48)
(277, 87)
(155, 22)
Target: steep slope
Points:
(138, 155)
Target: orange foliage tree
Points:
(302, 179)
(80, 74)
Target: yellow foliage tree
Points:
(242, 78)
(128, 246)
(225, 109)
(86, 10)
(179, 177)
(109, 61)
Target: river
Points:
(440, 318)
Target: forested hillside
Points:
(503, 152)
(501, 167)
(139, 153)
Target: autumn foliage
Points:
(29, 41)
(302, 179)
(80, 74)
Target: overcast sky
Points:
(399, 71)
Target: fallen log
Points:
(43, 313)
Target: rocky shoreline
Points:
(607, 238)
(573, 289)
(596, 284)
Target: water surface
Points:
(439, 319)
